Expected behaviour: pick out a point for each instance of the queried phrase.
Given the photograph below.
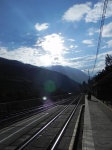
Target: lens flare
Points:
(49, 86)
(44, 98)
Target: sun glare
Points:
(46, 59)
(51, 59)
(44, 98)
(53, 44)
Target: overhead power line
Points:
(101, 30)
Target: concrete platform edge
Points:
(75, 130)
(87, 140)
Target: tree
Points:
(108, 60)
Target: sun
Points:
(54, 44)
(46, 60)
(49, 60)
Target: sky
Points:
(55, 32)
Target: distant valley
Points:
(73, 73)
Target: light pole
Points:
(88, 79)
(88, 74)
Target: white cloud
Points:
(85, 11)
(48, 50)
(71, 40)
(53, 44)
(102, 55)
(23, 54)
(40, 27)
(88, 42)
(30, 56)
(75, 46)
(91, 45)
(78, 51)
(71, 46)
(104, 47)
(107, 30)
(35, 57)
(100, 64)
(76, 12)
(82, 62)
(95, 14)
(3, 51)
(91, 31)
(109, 43)
(84, 58)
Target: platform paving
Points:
(97, 133)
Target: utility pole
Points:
(88, 74)
(88, 79)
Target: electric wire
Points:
(100, 34)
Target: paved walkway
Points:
(97, 133)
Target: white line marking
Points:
(19, 124)
(87, 141)
(24, 121)
(24, 126)
(75, 130)
(21, 129)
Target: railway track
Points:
(14, 117)
(45, 130)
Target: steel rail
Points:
(31, 118)
(44, 127)
(34, 111)
(64, 127)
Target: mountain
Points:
(23, 81)
(72, 73)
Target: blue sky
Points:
(55, 32)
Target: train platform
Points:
(97, 132)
